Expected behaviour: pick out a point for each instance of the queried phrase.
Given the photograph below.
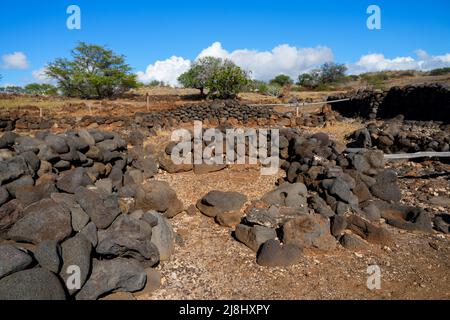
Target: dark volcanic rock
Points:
(76, 251)
(273, 254)
(34, 284)
(163, 236)
(71, 181)
(158, 196)
(128, 237)
(309, 231)
(10, 212)
(101, 208)
(48, 255)
(408, 218)
(368, 231)
(215, 202)
(13, 259)
(254, 237)
(288, 195)
(117, 275)
(386, 187)
(44, 220)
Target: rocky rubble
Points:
(415, 102)
(80, 203)
(399, 136)
(330, 196)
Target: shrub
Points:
(41, 89)
(439, 72)
(93, 72)
(222, 78)
(281, 80)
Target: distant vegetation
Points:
(439, 72)
(222, 78)
(93, 73)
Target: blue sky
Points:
(151, 31)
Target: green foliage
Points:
(156, 83)
(222, 78)
(93, 73)
(439, 72)
(12, 90)
(328, 74)
(376, 79)
(281, 80)
(41, 89)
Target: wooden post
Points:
(147, 96)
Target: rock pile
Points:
(79, 217)
(397, 136)
(415, 102)
(330, 196)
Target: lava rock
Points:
(76, 251)
(128, 237)
(229, 219)
(117, 275)
(44, 220)
(408, 218)
(352, 242)
(288, 195)
(254, 237)
(101, 208)
(368, 231)
(386, 187)
(163, 236)
(309, 231)
(33, 284)
(273, 254)
(158, 196)
(13, 259)
(73, 180)
(216, 202)
(48, 255)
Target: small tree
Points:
(41, 89)
(332, 73)
(222, 78)
(309, 80)
(226, 81)
(93, 72)
(281, 80)
(200, 72)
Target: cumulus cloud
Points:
(166, 70)
(16, 60)
(263, 65)
(378, 62)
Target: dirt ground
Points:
(209, 264)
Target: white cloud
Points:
(16, 60)
(378, 62)
(264, 65)
(167, 70)
(40, 76)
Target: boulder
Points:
(288, 195)
(352, 242)
(90, 232)
(309, 231)
(408, 218)
(33, 284)
(73, 180)
(76, 251)
(30, 194)
(273, 254)
(254, 237)
(117, 275)
(368, 231)
(128, 237)
(101, 208)
(4, 195)
(79, 217)
(48, 255)
(13, 259)
(229, 219)
(158, 196)
(43, 220)
(10, 213)
(386, 187)
(216, 202)
(163, 236)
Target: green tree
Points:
(222, 78)
(332, 73)
(200, 72)
(281, 80)
(41, 89)
(94, 72)
(310, 80)
(227, 80)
